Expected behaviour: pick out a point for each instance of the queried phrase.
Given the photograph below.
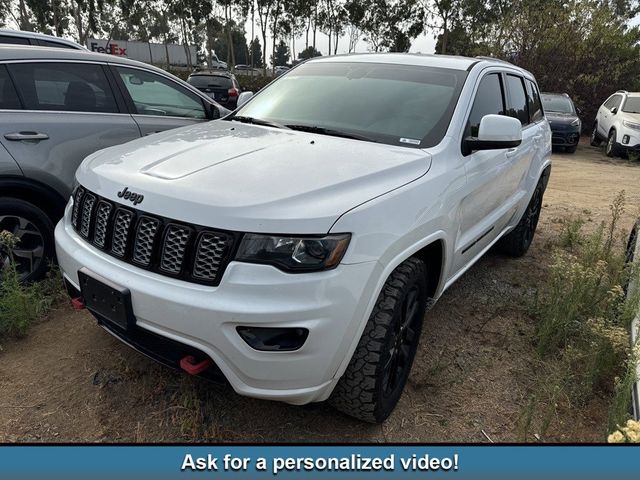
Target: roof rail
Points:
(622, 91)
(485, 57)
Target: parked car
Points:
(618, 122)
(563, 119)
(223, 87)
(633, 255)
(280, 69)
(56, 107)
(248, 70)
(293, 247)
(19, 37)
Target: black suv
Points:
(219, 85)
(563, 119)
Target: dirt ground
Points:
(69, 381)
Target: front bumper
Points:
(564, 136)
(332, 305)
(628, 139)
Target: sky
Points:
(425, 43)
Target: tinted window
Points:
(64, 86)
(535, 106)
(394, 104)
(48, 43)
(558, 103)
(210, 81)
(14, 40)
(518, 107)
(489, 100)
(8, 96)
(155, 95)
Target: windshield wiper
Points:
(256, 121)
(330, 132)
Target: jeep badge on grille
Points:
(136, 198)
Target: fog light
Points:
(625, 139)
(273, 339)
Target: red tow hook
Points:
(78, 303)
(188, 365)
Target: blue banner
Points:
(319, 462)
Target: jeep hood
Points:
(243, 177)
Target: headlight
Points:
(294, 253)
(635, 126)
(575, 123)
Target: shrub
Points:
(584, 316)
(20, 304)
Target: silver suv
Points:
(56, 107)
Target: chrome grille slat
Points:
(188, 252)
(87, 211)
(103, 212)
(144, 240)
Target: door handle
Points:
(512, 152)
(21, 136)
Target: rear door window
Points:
(72, 87)
(489, 100)
(518, 104)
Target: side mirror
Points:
(243, 98)
(614, 110)
(578, 111)
(496, 132)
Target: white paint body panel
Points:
(393, 200)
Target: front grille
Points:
(190, 252)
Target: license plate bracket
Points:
(108, 302)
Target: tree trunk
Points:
(445, 34)
(231, 58)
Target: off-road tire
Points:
(594, 140)
(14, 207)
(517, 242)
(362, 390)
(611, 149)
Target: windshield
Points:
(211, 81)
(556, 103)
(394, 104)
(632, 105)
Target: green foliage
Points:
(21, 305)
(281, 55)
(309, 52)
(255, 50)
(239, 42)
(584, 317)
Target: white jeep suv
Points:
(618, 122)
(294, 246)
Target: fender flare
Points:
(41, 195)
